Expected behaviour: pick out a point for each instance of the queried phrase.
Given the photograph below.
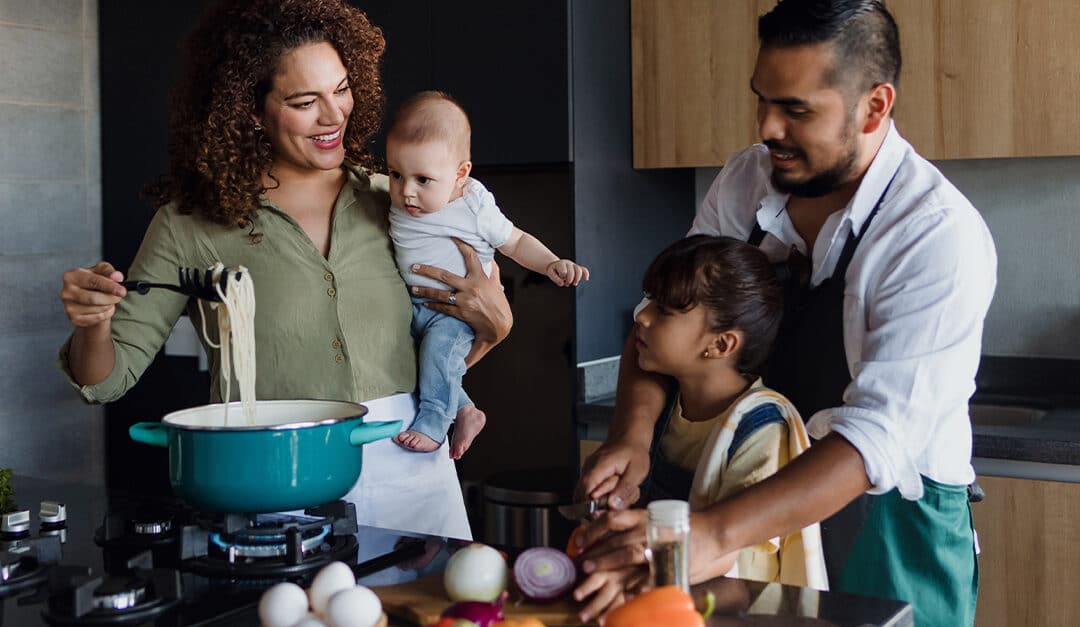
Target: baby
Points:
(433, 199)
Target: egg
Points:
(333, 577)
(310, 620)
(283, 605)
(354, 607)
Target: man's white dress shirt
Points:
(917, 292)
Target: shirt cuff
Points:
(106, 391)
(886, 461)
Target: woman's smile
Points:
(329, 141)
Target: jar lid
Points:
(669, 512)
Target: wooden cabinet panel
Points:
(692, 61)
(1028, 567)
(990, 78)
(980, 78)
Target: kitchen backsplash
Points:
(1031, 208)
(50, 208)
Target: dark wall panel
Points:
(623, 217)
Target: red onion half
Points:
(544, 573)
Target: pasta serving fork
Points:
(190, 281)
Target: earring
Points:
(706, 354)
(258, 127)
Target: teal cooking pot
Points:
(298, 454)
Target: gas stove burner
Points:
(127, 531)
(294, 562)
(268, 537)
(25, 563)
(152, 527)
(140, 595)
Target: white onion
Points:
(475, 573)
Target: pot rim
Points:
(356, 410)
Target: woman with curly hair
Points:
(270, 170)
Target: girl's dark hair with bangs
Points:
(732, 280)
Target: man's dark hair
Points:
(732, 280)
(862, 33)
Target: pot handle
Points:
(152, 433)
(371, 431)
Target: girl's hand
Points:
(613, 558)
(564, 272)
(90, 294)
(476, 298)
(609, 589)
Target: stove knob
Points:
(52, 513)
(15, 522)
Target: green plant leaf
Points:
(7, 493)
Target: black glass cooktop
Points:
(79, 555)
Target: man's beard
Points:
(831, 179)
(819, 184)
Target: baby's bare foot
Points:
(468, 424)
(416, 441)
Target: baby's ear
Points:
(463, 173)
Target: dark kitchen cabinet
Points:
(547, 83)
(506, 62)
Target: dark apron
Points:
(808, 365)
(921, 551)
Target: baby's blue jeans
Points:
(444, 342)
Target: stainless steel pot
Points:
(520, 508)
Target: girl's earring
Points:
(258, 127)
(706, 354)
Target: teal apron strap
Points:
(921, 552)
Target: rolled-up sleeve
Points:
(142, 322)
(914, 331)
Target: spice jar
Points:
(668, 536)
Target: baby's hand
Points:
(564, 272)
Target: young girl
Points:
(712, 310)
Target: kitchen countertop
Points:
(1053, 439)
(1050, 385)
(738, 602)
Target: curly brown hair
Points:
(217, 157)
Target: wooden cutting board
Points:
(420, 602)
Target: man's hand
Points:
(614, 560)
(617, 470)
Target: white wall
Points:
(50, 220)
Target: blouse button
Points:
(340, 358)
(331, 292)
(328, 276)
(335, 344)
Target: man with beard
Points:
(880, 342)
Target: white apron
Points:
(404, 490)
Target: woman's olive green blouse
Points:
(325, 328)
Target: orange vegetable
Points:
(572, 549)
(668, 606)
(443, 622)
(519, 622)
